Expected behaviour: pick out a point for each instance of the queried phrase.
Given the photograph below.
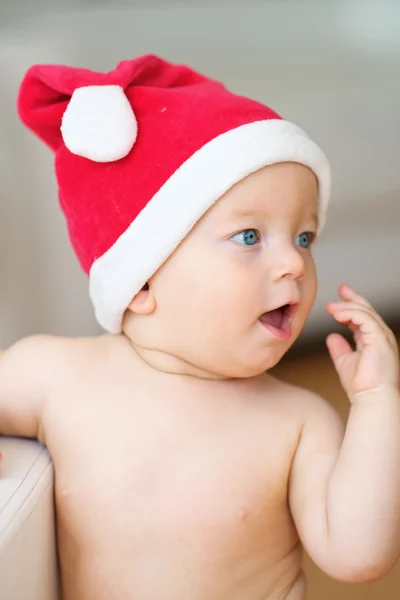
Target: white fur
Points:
(99, 123)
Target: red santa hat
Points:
(141, 153)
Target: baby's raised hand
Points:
(375, 361)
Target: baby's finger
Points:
(348, 293)
(338, 346)
(356, 334)
(335, 307)
(387, 332)
(368, 326)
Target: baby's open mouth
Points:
(279, 320)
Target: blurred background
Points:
(332, 66)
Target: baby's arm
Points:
(24, 373)
(345, 495)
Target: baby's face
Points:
(235, 294)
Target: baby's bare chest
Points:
(199, 489)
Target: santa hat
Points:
(141, 153)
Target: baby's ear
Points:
(144, 303)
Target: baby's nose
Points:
(288, 263)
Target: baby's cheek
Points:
(309, 293)
(310, 270)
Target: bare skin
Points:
(183, 470)
(178, 488)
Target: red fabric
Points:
(177, 110)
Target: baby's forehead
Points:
(259, 197)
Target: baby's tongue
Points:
(273, 317)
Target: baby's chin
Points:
(245, 359)
(217, 368)
(250, 366)
(267, 359)
(254, 369)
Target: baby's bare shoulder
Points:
(59, 359)
(33, 371)
(65, 351)
(300, 402)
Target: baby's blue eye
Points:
(247, 237)
(304, 240)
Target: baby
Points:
(184, 471)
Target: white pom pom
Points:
(99, 123)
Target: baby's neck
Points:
(165, 362)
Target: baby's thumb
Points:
(338, 346)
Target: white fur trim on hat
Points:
(165, 221)
(99, 123)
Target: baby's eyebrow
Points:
(247, 212)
